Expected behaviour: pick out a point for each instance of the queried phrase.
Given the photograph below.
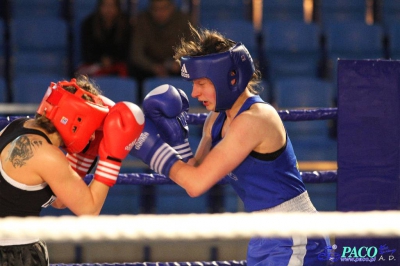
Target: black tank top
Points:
(17, 199)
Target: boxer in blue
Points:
(243, 138)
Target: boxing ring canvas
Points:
(368, 141)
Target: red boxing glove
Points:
(121, 129)
(82, 162)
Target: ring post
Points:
(369, 149)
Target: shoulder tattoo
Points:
(21, 150)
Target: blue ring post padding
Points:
(368, 135)
(369, 145)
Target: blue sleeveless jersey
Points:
(259, 183)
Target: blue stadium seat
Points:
(282, 10)
(172, 199)
(39, 62)
(232, 202)
(122, 199)
(238, 30)
(118, 89)
(323, 196)
(80, 10)
(36, 8)
(304, 92)
(142, 5)
(223, 10)
(3, 90)
(310, 138)
(291, 48)
(340, 11)
(266, 92)
(352, 40)
(389, 12)
(31, 88)
(393, 35)
(39, 45)
(314, 147)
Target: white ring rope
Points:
(201, 226)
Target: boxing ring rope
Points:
(286, 115)
(195, 227)
(158, 179)
(193, 118)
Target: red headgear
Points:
(75, 118)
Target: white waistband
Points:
(14, 242)
(300, 203)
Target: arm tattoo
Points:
(21, 150)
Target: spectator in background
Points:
(105, 37)
(156, 31)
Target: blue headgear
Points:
(221, 68)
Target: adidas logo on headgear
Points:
(184, 72)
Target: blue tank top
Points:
(262, 184)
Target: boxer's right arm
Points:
(153, 151)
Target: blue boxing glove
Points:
(167, 107)
(153, 151)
